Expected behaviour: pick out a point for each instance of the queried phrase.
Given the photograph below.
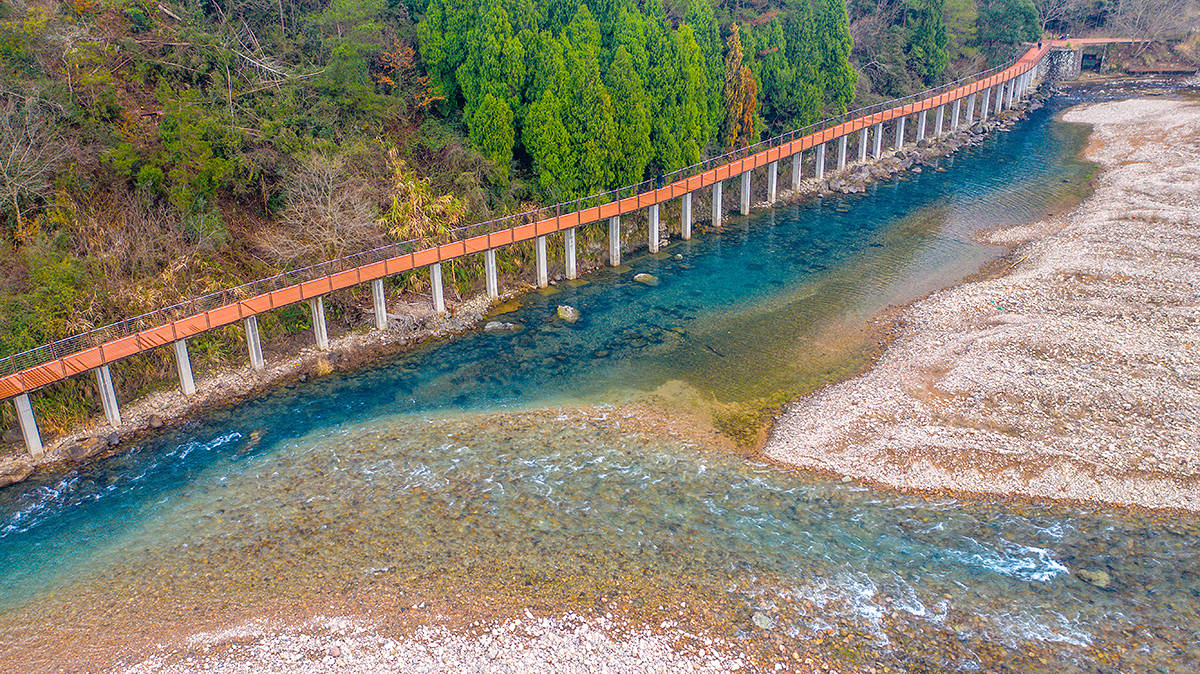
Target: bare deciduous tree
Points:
(328, 214)
(30, 151)
(1149, 19)
(1050, 11)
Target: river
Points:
(608, 466)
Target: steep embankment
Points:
(1074, 376)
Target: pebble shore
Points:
(1075, 375)
(566, 644)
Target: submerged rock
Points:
(762, 620)
(568, 313)
(1097, 577)
(499, 326)
(648, 279)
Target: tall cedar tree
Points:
(741, 94)
(803, 52)
(703, 21)
(833, 34)
(927, 39)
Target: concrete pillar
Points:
(999, 97)
(569, 252)
(954, 114)
(821, 161)
(685, 216)
(108, 396)
(253, 344)
(1012, 90)
(492, 273)
(543, 277)
(183, 364)
(435, 287)
(745, 195)
(379, 301)
(983, 107)
(842, 152)
(900, 132)
(879, 140)
(716, 204)
(772, 181)
(28, 424)
(970, 109)
(614, 241)
(653, 228)
(863, 137)
(921, 125)
(797, 164)
(939, 120)
(316, 307)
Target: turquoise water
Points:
(442, 466)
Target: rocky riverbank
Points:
(1075, 375)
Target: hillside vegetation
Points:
(153, 151)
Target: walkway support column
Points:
(491, 273)
(685, 217)
(183, 364)
(254, 344)
(435, 287)
(379, 301)
(772, 181)
(983, 108)
(941, 117)
(954, 114)
(900, 132)
(921, 125)
(879, 140)
(999, 98)
(745, 195)
(716, 204)
(653, 228)
(797, 163)
(842, 151)
(28, 424)
(543, 277)
(821, 161)
(316, 307)
(614, 241)
(970, 109)
(863, 137)
(108, 396)
(1012, 87)
(569, 252)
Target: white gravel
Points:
(566, 644)
(1076, 375)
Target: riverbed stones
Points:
(568, 313)
(646, 279)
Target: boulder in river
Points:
(762, 620)
(13, 472)
(568, 313)
(1096, 577)
(86, 448)
(647, 279)
(156, 421)
(499, 326)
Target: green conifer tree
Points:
(833, 36)
(631, 114)
(701, 18)
(927, 39)
(804, 54)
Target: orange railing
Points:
(74, 355)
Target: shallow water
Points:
(437, 469)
